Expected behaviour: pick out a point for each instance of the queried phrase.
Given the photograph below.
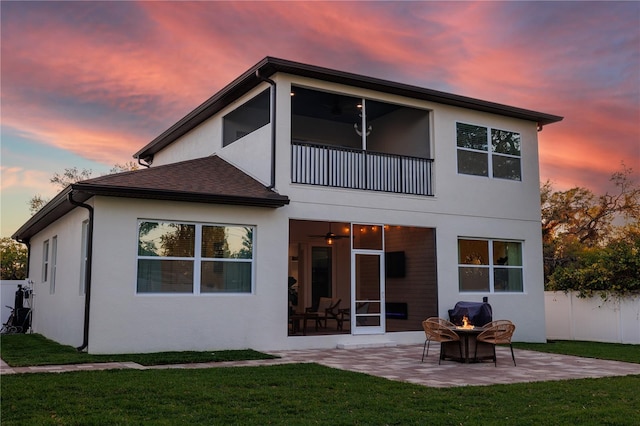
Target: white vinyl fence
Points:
(569, 317)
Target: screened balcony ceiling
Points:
(335, 107)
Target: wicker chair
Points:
(496, 322)
(439, 330)
(500, 333)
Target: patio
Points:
(402, 363)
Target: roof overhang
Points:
(209, 180)
(270, 66)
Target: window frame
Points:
(231, 132)
(45, 261)
(198, 259)
(490, 153)
(491, 266)
(53, 263)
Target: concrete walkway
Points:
(403, 363)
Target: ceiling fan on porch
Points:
(330, 237)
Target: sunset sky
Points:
(87, 84)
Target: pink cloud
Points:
(19, 178)
(103, 91)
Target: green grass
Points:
(298, 394)
(19, 350)
(303, 394)
(611, 351)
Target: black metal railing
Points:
(327, 165)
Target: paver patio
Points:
(403, 363)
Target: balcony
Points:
(351, 168)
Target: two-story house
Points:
(292, 183)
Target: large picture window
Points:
(490, 266)
(483, 151)
(194, 258)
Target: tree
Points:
(13, 259)
(578, 214)
(73, 175)
(584, 248)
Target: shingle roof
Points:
(208, 179)
(203, 180)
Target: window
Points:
(247, 118)
(194, 258)
(84, 257)
(490, 266)
(474, 158)
(54, 255)
(45, 261)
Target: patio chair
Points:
(439, 330)
(327, 309)
(498, 334)
(496, 322)
(427, 341)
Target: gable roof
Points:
(269, 66)
(203, 180)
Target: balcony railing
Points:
(326, 165)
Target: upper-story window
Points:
(247, 118)
(485, 151)
(194, 258)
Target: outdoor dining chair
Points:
(499, 333)
(439, 330)
(327, 309)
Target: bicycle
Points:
(19, 321)
(9, 327)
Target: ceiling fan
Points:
(330, 237)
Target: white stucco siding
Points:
(203, 141)
(59, 315)
(123, 321)
(250, 153)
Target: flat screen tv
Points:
(394, 264)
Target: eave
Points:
(269, 66)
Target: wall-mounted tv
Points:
(394, 264)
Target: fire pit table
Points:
(468, 337)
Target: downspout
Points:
(273, 127)
(87, 275)
(147, 161)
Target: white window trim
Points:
(197, 260)
(45, 261)
(489, 152)
(54, 256)
(491, 267)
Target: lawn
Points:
(19, 350)
(612, 351)
(302, 394)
